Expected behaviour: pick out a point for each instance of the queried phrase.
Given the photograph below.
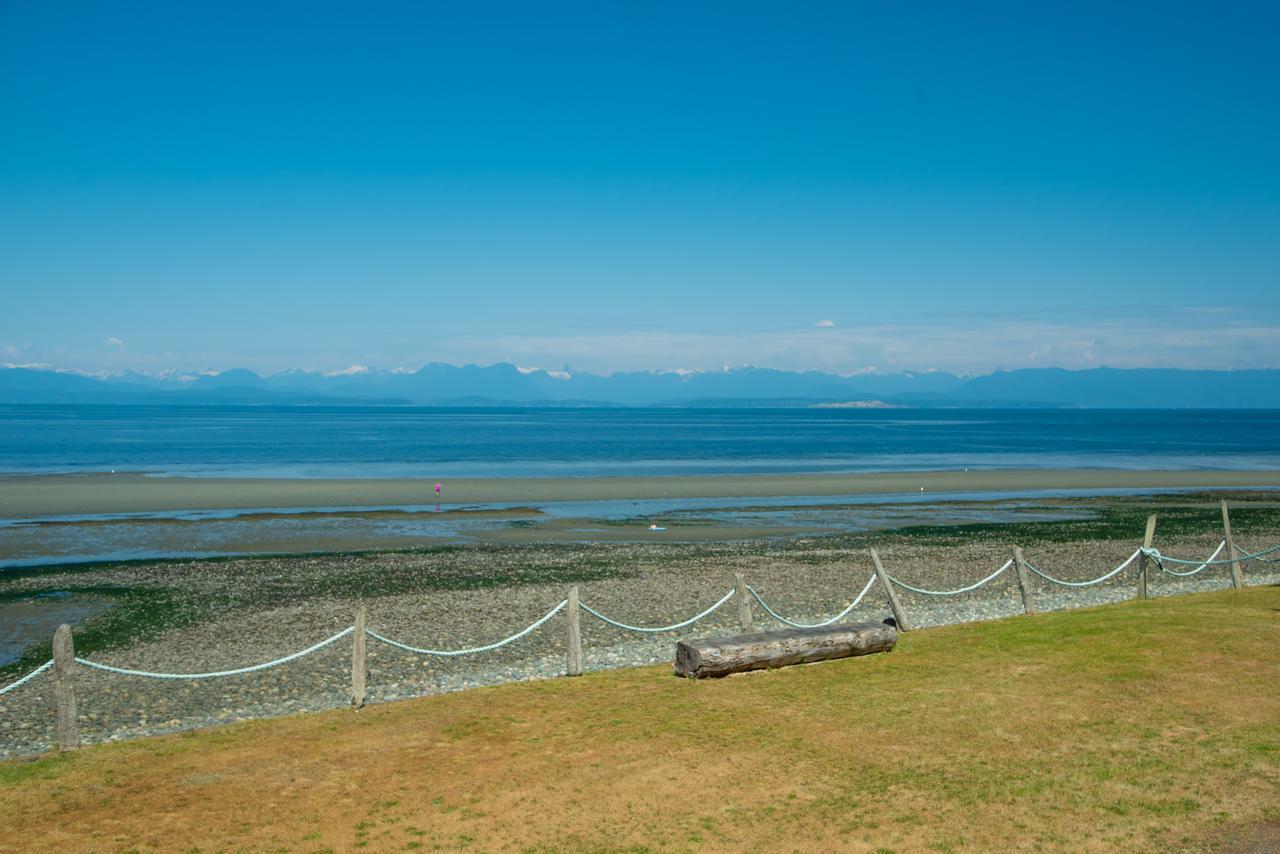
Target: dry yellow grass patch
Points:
(1149, 725)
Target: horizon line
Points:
(565, 373)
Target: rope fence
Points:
(217, 674)
(449, 653)
(1101, 578)
(1258, 556)
(658, 629)
(64, 658)
(990, 578)
(837, 618)
(1155, 555)
(25, 679)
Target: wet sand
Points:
(40, 496)
(27, 620)
(266, 516)
(32, 542)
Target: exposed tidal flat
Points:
(28, 496)
(200, 615)
(66, 518)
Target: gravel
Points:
(654, 585)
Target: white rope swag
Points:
(837, 618)
(25, 679)
(218, 674)
(475, 649)
(657, 629)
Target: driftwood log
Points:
(709, 657)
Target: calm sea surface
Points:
(446, 442)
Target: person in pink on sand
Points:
(438, 488)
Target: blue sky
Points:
(626, 186)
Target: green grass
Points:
(1142, 726)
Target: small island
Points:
(859, 404)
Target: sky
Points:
(629, 186)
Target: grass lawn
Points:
(1142, 726)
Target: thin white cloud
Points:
(961, 345)
(825, 324)
(973, 343)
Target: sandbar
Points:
(41, 496)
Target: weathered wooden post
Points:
(64, 688)
(573, 653)
(1237, 579)
(745, 623)
(899, 615)
(1143, 562)
(1024, 582)
(359, 647)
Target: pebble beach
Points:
(239, 612)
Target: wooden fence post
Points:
(1143, 563)
(745, 623)
(1024, 582)
(64, 688)
(359, 647)
(899, 615)
(1237, 579)
(573, 652)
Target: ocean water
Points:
(559, 442)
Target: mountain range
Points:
(507, 385)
